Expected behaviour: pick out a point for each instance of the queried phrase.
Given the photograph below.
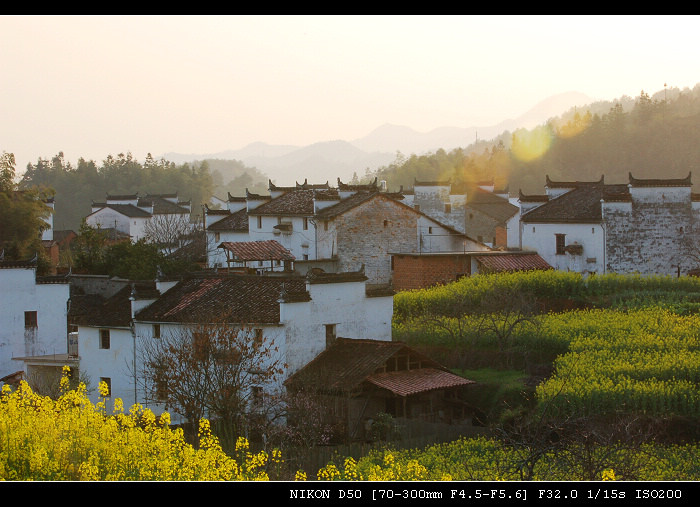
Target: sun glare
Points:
(529, 145)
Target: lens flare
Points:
(529, 145)
(572, 127)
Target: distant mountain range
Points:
(329, 160)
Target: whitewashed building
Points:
(131, 214)
(33, 313)
(338, 229)
(645, 226)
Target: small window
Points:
(592, 230)
(448, 207)
(259, 222)
(386, 222)
(306, 257)
(306, 224)
(430, 230)
(156, 330)
(325, 225)
(471, 216)
(416, 207)
(330, 334)
(104, 338)
(258, 336)
(30, 319)
(560, 243)
(107, 381)
(217, 237)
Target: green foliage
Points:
(141, 260)
(643, 361)
(76, 187)
(22, 217)
(610, 138)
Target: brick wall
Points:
(417, 272)
(368, 233)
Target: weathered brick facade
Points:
(647, 226)
(367, 234)
(649, 234)
(419, 271)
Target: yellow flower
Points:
(608, 475)
(104, 390)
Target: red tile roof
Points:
(349, 362)
(512, 262)
(269, 250)
(407, 382)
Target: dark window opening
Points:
(561, 243)
(30, 319)
(156, 330)
(104, 338)
(448, 208)
(330, 334)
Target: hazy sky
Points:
(91, 86)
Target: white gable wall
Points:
(542, 239)
(19, 293)
(115, 363)
(344, 304)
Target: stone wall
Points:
(433, 200)
(649, 236)
(368, 233)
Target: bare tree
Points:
(169, 231)
(503, 311)
(218, 371)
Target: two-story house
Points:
(33, 313)
(644, 225)
(339, 228)
(133, 215)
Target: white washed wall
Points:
(19, 292)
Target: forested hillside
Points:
(649, 135)
(76, 187)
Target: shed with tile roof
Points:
(361, 378)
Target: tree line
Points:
(77, 186)
(650, 136)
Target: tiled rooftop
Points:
(512, 262)
(236, 221)
(269, 250)
(349, 362)
(237, 299)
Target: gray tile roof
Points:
(236, 221)
(238, 299)
(491, 204)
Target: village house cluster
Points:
(314, 267)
